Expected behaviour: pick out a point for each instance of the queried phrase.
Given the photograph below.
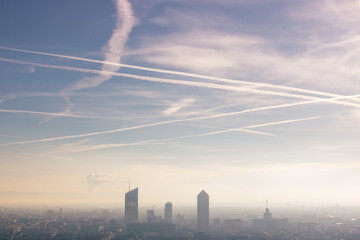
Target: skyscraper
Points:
(267, 214)
(131, 206)
(168, 212)
(203, 211)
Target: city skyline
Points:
(250, 100)
(324, 223)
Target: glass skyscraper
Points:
(131, 206)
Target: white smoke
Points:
(95, 180)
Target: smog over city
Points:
(180, 119)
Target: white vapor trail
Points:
(170, 140)
(103, 146)
(179, 82)
(67, 110)
(124, 23)
(42, 113)
(8, 136)
(246, 128)
(114, 48)
(243, 130)
(180, 120)
(62, 114)
(226, 80)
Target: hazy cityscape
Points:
(179, 119)
(171, 222)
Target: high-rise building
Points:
(168, 212)
(203, 211)
(131, 206)
(267, 214)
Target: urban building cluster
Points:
(21, 224)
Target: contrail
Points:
(226, 80)
(243, 130)
(102, 146)
(8, 136)
(114, 47)
(42, 113)
(167, 140)
(177, 82)
(280, 122)
(67, 110)
(179, 120)
(56, 114)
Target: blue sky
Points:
(248, 100)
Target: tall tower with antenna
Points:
(131, 206)
(267, 214)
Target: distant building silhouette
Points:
(267, 214)
(268, 223)
(150, 216)
(233, 225)
(168, 212)
(131, 206)
(179, 221)
(203, 211)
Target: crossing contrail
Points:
(177, 82)
(186, 74)
(178, 120)
(170, 140)
(125, 21)
(43, 113)
(62, 114)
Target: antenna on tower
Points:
(267, 204)
(129, 185)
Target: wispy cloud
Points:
(125, 21)
(113, 50)
(30, 69)
(331, 148)
(177, 106)
(252, 52)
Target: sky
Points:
(248, 100)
